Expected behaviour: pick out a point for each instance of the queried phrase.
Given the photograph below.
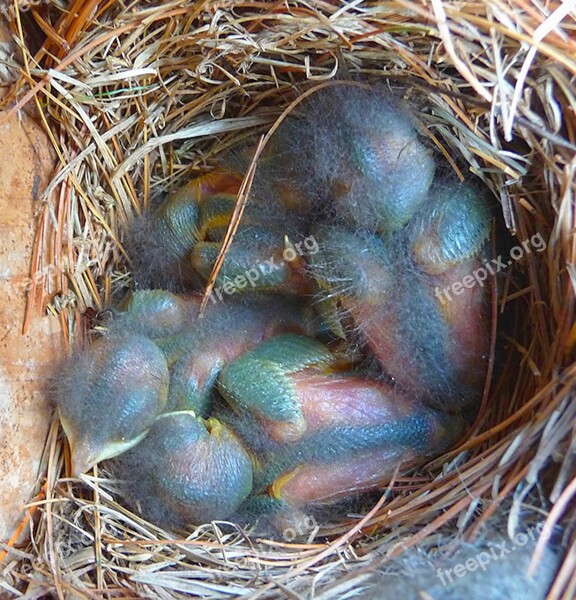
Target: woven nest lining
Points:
(141, 98)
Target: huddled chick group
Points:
(317, 379)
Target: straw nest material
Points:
(139, 97)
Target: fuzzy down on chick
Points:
(325, 359)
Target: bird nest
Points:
(140, 97)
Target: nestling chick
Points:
(387, 289)
(320, 434)
(109, 396)
(177, 245)
(160, 241)
(260, 382)
(448, 244)
(186, 471)
(225, 331)
(350, 153)
(197, 347)
(156, 313)
(314, 425)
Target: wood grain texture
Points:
(25, 360)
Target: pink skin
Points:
(211, 184)
(322, 483)
(226, 336)
(467, 316)
(463, 314)
(201, 366)
(331, 400)
(328, 400)
(174, 316)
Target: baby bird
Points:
(197, 347)
(186, 471)
(158, 356)
(319, 433)
(240, 409)
(453, 228)
(387, 288)
(177, 246)
(161, 240)
(156, 313)
(346, 153)
(448, 244)
(350, 154)
(262, 382)
(226, 331)
(109, 396)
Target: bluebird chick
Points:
(186, 471)
(110, 395)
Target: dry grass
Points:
(140, 96)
